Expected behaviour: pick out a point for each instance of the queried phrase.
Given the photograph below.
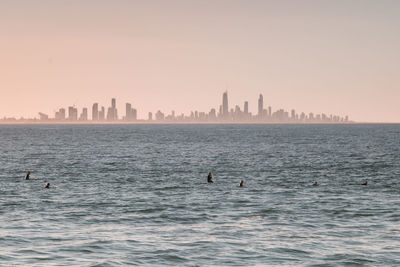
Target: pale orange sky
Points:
(333, 57)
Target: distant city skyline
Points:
(225, 114)
(337, 57)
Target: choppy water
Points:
(136, 195)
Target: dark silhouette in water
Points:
(47, 185)
(209, 178)
(315, 183)
(365, 183)
(241, 183)
(27, 175)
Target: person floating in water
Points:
(27, 175)
(241, 183)
(365, 183)
(209, 178)
(47, 185)
(315, 183)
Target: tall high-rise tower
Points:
(95, 112)
(246, 107)
(84, 115)
(72, 113)
(112, 113)
(128, 112)
(225, 108)
(260, 106)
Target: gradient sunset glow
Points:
(333, 57)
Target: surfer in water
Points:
(47, 185)
(365, 183)
(241, 183)
(209, 178)
(27, 175)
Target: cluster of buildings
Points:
(236, 114)
(98, 114)
(223, 115)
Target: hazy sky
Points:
(339, 57)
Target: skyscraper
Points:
(102, 114)
(260, 106)
(84, 115)
(60, 115)
(246, 107)
(128, 112)
(293, 115)
(72, 114)
(134, 114)
(225, 108)
(95, 112)
(112, 114)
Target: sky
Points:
(334, 57)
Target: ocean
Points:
(125, 195)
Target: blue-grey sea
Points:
(126, 195)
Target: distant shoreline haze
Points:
(223, 114)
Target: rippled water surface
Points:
(137, 195)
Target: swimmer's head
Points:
(47, 185)
(241, 183)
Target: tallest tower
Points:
(260, 106)
(225, 109)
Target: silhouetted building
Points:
(134, 114)
(43, 117)
(60, 115)
(246, 108)
(159, 116)
(302, 117)
(72, 114)
(95, 112)
(293, 115)
(130, 113)
(84, 115)
(212, 115)
(260, 106)
(150, 117)
(225, 107)
(102, 114)
(112, 113)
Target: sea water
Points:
(137, 195)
